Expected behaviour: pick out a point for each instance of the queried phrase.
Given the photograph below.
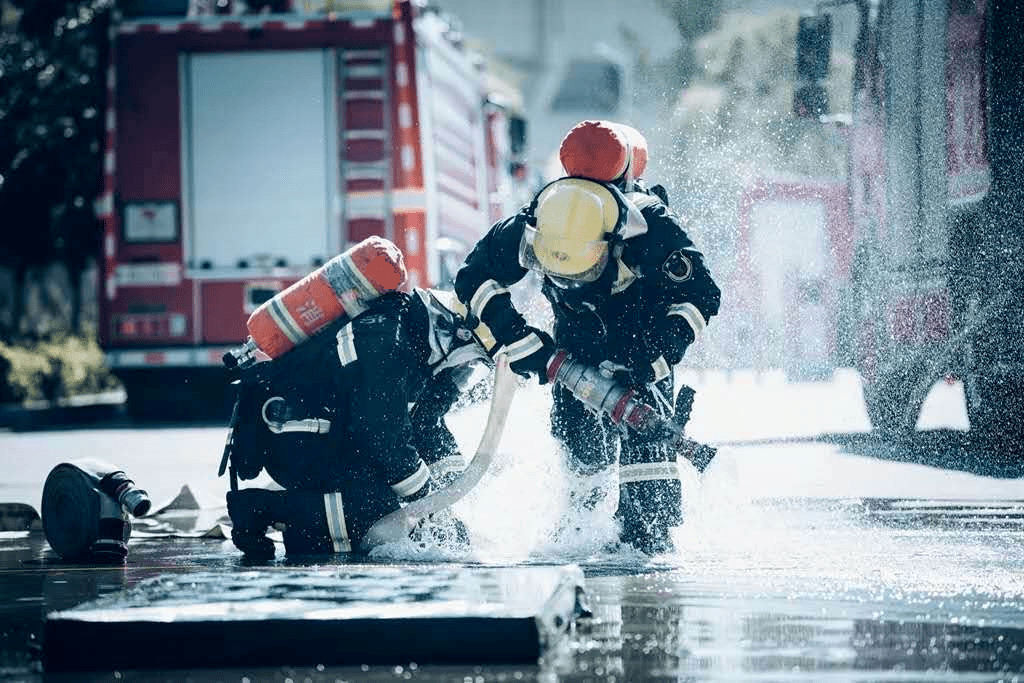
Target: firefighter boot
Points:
(648, 510)
(307, 530)
(251, 512)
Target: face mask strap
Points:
(622, 204)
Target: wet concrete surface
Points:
(354, 614)
(816, 558)
(897, 590)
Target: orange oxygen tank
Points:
(342, 286)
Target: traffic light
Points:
(813, 54)
(810, 100)
(814, 47)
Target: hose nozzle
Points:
(600, 392)
(118, 486)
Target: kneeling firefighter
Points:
(630, 292)
(330, 419)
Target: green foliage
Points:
(53, 369)
(51, 129)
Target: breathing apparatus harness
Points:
(456, 344)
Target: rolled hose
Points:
(397, 525)
(80, 522)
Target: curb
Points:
(75, 410)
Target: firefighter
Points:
(629, 292)
(330, 422)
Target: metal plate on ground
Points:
(341, 615)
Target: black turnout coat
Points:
(653, 299)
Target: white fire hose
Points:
(397, 525)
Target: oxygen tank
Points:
(341, 287)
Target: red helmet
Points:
(604, 151)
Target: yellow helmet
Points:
(574, 219)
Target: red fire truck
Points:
(790, 276)
(245, 150)
(936, 187)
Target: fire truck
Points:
(245, 150)
(788, 286)
(935, 198)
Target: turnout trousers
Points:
(650, 491)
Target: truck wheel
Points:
(995, 395)
(994, 410)
(994, 386)
(895, 398)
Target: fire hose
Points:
(593, 387)
(601, 392)
(397, 525)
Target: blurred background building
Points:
(578, 59)
(710, 84)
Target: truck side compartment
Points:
(936, 177)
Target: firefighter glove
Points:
(530, 354)
(647, 365)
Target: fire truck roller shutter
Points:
(261, 147)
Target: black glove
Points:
(536, 362)
(252, 511)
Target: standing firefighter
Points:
(630, 292)
(330, 420)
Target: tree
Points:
(733, 122)
(52, 92)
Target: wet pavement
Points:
(894, 590)
(801, 560)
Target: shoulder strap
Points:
(642, 200)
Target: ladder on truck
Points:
(366, 144)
